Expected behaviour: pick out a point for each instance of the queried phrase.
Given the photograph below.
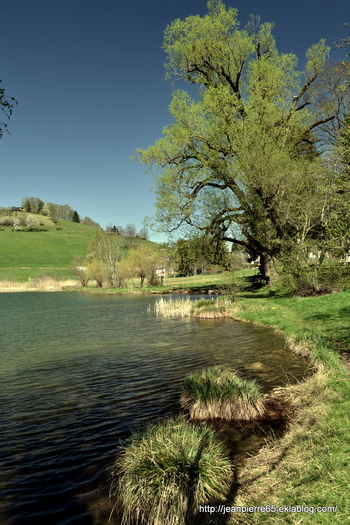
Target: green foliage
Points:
(313, 279)
(145, 260)
(166, 472)
(198, 252)
(239, 161)
(78, 271)
(338, 225)
(75, 217)
(90, 222)
(27, 206)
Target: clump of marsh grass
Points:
(212, 309)
(166, 472)
(206, 308)
(218, 392)
(173, 307)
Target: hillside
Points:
(26, 253)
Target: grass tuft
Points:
(218, 393)
(166, 472)
(204, 308)
(173, 307)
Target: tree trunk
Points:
(267, 269)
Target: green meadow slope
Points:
(22, 253)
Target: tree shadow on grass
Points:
(213, 512)
(206, 515)
(339, 332)
(262, 293)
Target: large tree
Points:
(242, 159)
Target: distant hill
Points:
(51, 250)
(55, 248)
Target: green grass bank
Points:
(26, 254)
(310, 465)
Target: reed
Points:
(43, 284)
(173, 307)
(205, 308)
(166, 472)
(218, 392)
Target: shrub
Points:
(218, 393)
(165, 473)
(17, 224)
(5, 220)
(32, 223)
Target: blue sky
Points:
(89, 79)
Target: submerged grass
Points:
(166, 472)
(218, 392)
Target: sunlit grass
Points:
(173, 307)
(180, 307)
(218, 392)
(55, 248)
(310, 465)
(166, 472)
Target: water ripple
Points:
(79, 373)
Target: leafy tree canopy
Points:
(241, 159)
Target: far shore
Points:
(54, 285)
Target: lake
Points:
(80, 371)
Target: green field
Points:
(25, 254)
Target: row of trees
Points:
(130, 231)
(55, 211)
(49, 209)
(111, 262)
(259, 156)
(64, 211)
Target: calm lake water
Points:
(79, 372)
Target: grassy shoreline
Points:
(310, 465)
